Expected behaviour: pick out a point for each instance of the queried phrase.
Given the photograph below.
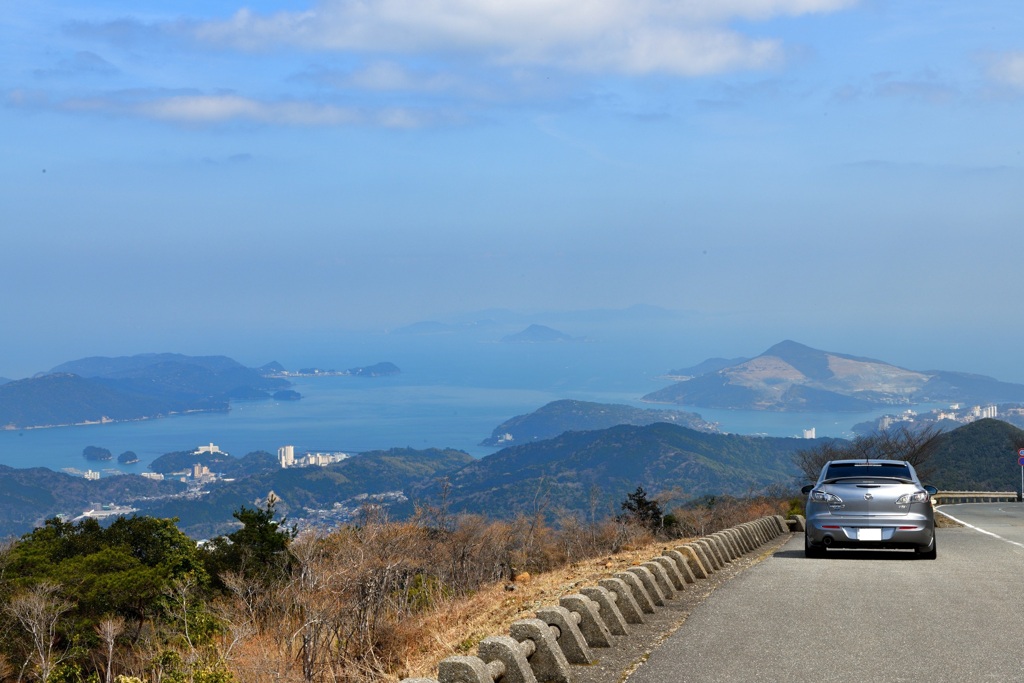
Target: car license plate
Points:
(869, 534)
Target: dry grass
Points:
(455, 627)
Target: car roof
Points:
(867, 461)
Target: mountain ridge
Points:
(790, 376)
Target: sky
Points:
(182, 175)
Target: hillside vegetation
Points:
(130, 388)
(563, 416)
(980, 456)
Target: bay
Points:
(451, 393)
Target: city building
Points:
(92, 475)
(287, 458)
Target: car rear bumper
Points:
(911, 531)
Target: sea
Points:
(452, 392)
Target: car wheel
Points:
(811, 550)
(929, 553)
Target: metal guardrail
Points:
(952, 497)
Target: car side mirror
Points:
(930, 489)
(807, 489)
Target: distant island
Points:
(539, 334)
(128, 458)
(98, 390)
(96, 453)
(792, 377)
(383, 369)
(559, 417)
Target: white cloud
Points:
(1007, 68)
(623, 36)
(200, 109)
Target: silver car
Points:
(869, 504)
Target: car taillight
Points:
(825, 497)
(916, 497)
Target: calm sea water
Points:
(448, 395)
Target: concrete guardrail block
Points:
(548, 662)
(748, 537)
(697, 561)
(509, 652)
(465, 670)
(710, 554)
(609, 609)
(683, 564)
(738, 541)
(672, 570)
(724, 546)
(801, 523)
(570, 639)
(639, 590)
(592, 626)
(660, 578)
(624, 600)
(650, 584)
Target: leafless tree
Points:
(40, 610)
(915, 445)
(108, 629)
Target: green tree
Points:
(638, 508)
(259, 550)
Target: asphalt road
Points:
(865, 616)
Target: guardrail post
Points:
(548, 662)
(570, 639)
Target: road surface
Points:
(865, 616)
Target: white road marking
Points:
(979, 529)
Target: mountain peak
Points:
(811, 362)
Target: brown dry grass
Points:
(458, 625)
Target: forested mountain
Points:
(980, 456)
(29, 496)
(129, 388)
(578, 470)
(562, 416)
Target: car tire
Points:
(929, 553)
(811, 550)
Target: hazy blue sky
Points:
(845, 173)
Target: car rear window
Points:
(861, 469)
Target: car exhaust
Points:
(827, 541)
